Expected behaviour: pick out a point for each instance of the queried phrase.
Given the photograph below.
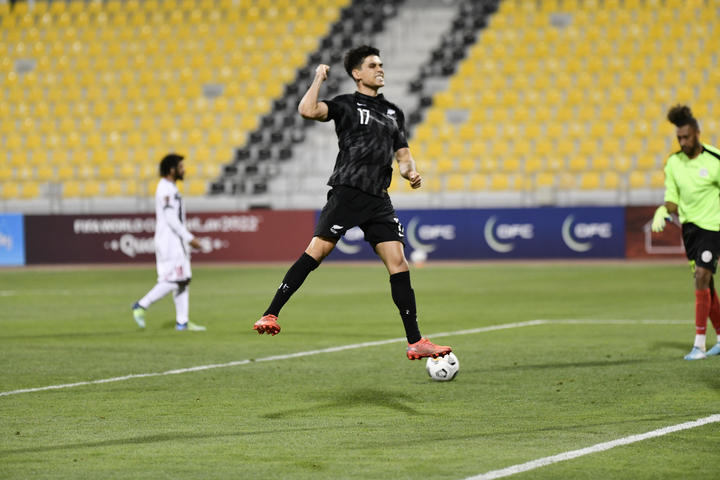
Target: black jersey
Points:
(370, 130)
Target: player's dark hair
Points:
(681, 115)
(169, 162)
(354, 58)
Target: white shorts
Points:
(173, 264)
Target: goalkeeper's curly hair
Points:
(681, 115)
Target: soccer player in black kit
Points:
(371, 132)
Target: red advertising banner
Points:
(642, 242)
(252, 236)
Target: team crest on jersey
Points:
(391, 112)
(704, 172)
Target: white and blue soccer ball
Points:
(443, 369)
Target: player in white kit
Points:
(172, 247)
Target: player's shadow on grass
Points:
(589, 364)
(130, 332)
(350, 399)
(150, 439)
(679, 346)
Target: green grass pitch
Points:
(522, 393)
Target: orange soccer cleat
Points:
(267, 324)
(425, 348)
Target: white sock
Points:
(156, 293)
(181, 297)
(700, 342)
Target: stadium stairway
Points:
(418, 38)
(570, 108)
(273, 147)
(567, 110)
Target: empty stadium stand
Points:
(575, 100)
(95, 92)
(513, 102)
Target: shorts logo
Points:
(335, 229)
(706, 256)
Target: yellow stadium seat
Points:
(657, 179)
(435, 150)
(566, 181)
(610, 144)
(545, 180)
(576, 130)
(622, 163)
(466, 165)
(598, 130)
(499, 181)
(445, 165)
(565, 147)
(532, 131)
(113, 188)
(90, 188)
(106, 172)
(510, 164)
(71, 189)
(478, 182)
(29, 190)
(24, 172)
(590, 181)
(578, 163)
(9, 190)
(455, 182)
(6, 173)
(533, 164)
(456, 149)
(131, 187)
(610, 181)
(588, 147)
(432, 184)
(192, 169)
(126, 170)
(600, 162)
(637, 180)
(85, 171)
(44, 173)
(543, 147)
(646, 162)
(196, 188)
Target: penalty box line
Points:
(341, 348)
(600, 447)
(263, 359)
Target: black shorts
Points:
(349, 207)
(701, 246)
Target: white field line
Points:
(600, 447)
(618, 322)
(316, 352)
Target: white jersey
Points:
(172, 249)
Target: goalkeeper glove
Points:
(658, 222)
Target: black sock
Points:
(294, 277)
(404, 297)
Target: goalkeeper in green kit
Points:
(692, 191)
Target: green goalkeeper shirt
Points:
(694, 185)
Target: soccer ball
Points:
(418, 257)
(443, 369)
